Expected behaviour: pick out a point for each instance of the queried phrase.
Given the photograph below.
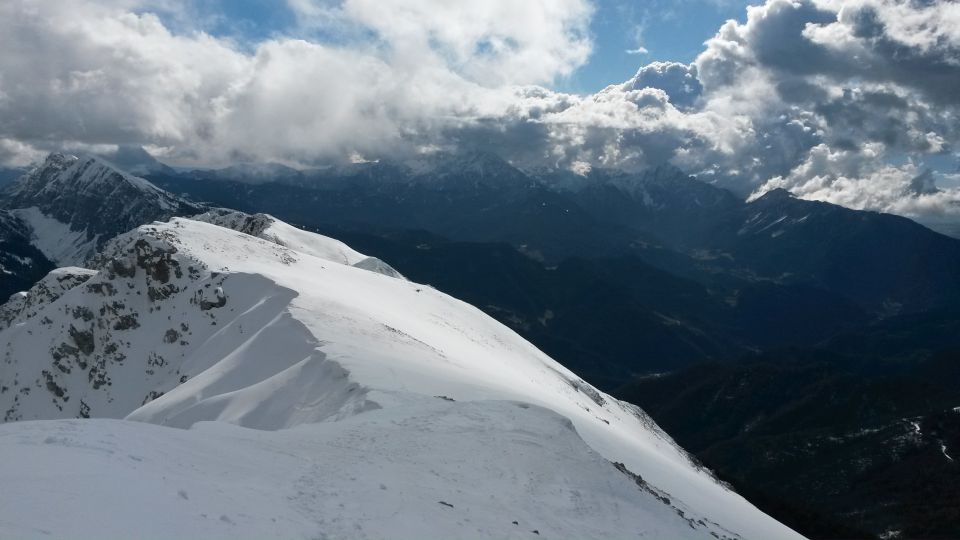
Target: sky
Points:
(854, 102)
(629, 34)
(625, 34)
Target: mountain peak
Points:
(774, 195)
(53, 165)
(780, 193)
(667, 171)
(68, 174)
(59, 159)
(75, 204)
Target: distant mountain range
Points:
(885, 264)
(721, 276)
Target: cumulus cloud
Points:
(491, 42)
(17, 154)
(863, 179)
(95, 73)
(842, 101)
(679, 81)
(835, 93)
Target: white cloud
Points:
(98, 74)
(679, 81)
(492, 42)
(834, 93)
(14, 153)
(81, 71)
(865, 180)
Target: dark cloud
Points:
(777, 39)
(836, 94)
(931, 69)
(877, 116)
(923, 184)
(679, 81)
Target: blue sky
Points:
(247, 21)
(668, 30)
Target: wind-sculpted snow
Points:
(186, 321)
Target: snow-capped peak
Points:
(64, 175)
(73, 205)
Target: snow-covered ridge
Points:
(273, 230)
(187, 322)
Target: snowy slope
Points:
(273, 230)
(434, 470)
(58, 241)
(187, 322)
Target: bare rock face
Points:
(131, 318)
(25, 305)
(252, 224)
